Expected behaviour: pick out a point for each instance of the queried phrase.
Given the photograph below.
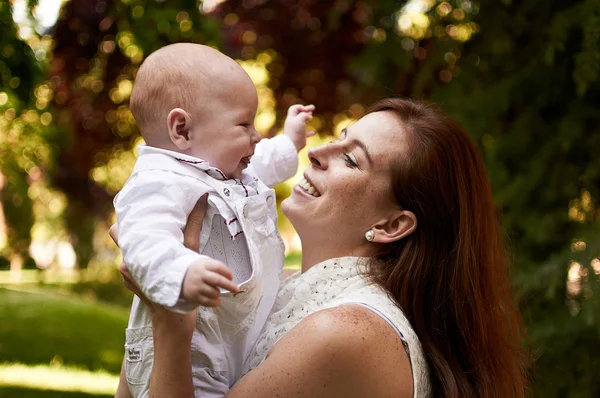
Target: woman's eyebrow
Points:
(361, 145)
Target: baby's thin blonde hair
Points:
(175, 76)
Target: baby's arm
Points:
(276, 159)
(174, 362)
(295, 124)
(152, 210)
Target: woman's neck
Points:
(315, 254)
(312, 258)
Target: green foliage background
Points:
(521, 76)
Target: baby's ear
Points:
(178, 125)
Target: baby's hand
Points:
(202, 282)
(295, 124)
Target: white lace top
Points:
(329, 284)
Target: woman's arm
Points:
(122, 389)
(172, 336)
(172, 368)
(346, 351)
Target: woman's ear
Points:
(401, 224)
(178, 125)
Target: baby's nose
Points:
(255, 136)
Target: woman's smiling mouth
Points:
(308, 188)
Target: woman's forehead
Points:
(381, 132)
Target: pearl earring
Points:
(370, 235)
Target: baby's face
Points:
(223, 130)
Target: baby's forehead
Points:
(183, 74)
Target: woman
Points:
(404, 288)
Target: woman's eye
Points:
(349, 161)
(246, 125)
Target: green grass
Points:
(43, 328)
(49, 335)
(16, 392)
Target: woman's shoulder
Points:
(344, 351)
(376, 300)
(352, 327)
(362, 346)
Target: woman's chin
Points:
(285, 205)
(291, 208)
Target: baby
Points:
(195, 108)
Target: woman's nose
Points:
(318, 156)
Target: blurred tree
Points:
(529, 92)
(98, 47)
(19, 73)
(310, 42)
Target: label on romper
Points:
(134, 354)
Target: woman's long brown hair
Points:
(450, 276)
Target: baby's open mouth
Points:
(308, 188)
(246, 160)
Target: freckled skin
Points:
(346, 351)
(353, 199)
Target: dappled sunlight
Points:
(257, 70)
(58, 378)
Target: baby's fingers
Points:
(217, 280)
(208, 302)
(294, 110)
(306, 116)
(208, 291)
(219, 268)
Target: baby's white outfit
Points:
(330, 284)
(239, 229)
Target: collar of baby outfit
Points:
(245, 186)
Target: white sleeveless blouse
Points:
(329, 284)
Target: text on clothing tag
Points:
(134, 354)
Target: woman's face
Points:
(348, 184)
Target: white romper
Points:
(240, 229)
(330, 284)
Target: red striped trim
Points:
(242, 184)
(230, 221)
(190, 161)
(222, 175)
(235, 236)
